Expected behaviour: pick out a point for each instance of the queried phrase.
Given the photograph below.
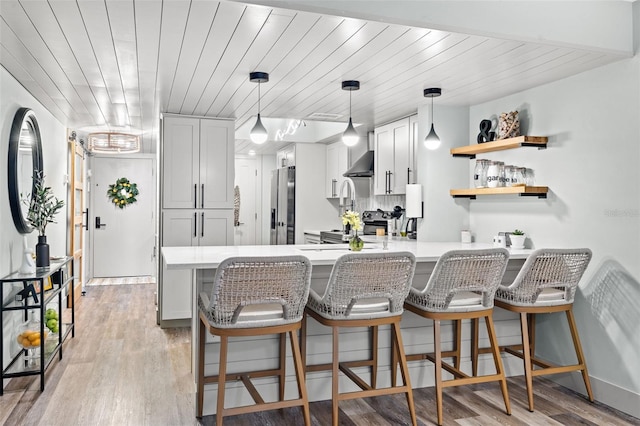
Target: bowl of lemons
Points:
(30, 338)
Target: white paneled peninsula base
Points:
(354, 344)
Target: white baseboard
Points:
(607, 393)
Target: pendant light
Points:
(432, 141)
(259, 134)
(350, 137)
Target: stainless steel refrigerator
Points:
(283, 206)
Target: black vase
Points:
(42, 252)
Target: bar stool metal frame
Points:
(461, 286)
(364, 290)
(546, 283)
(255, 296)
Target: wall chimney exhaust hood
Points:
(363, 167)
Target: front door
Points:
(123, 238)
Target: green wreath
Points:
(123, 193)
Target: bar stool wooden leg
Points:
(526, 349)
(299, 367)
(475, 335)
(495, 349)
(404, 370)
(303, 342)
(579, 354)
(374, 355)
(457, 341)
(283, 365)
(437, 349)
(201, 346)
(531, 320)
(334, 378)
(394, 358)
(222, 376)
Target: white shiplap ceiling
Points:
(119, 64)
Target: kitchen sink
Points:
(334, 247)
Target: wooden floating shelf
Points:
(471, 150)
(524, 191)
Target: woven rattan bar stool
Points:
(461, 286)
(546, 283)
(364, 290)
(255, 297)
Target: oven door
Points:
(371, 227)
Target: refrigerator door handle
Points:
(202, 225)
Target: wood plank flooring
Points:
(122, 369)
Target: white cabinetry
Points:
(197, 198)
(395, 156)
(337, 165)
(197, 161)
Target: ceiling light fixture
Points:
(113, 142)
(432, 141)
(259, 134)
(350, 137)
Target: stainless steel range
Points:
(371, 220)
(375, 219)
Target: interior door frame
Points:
(76, 152)
(91, 194)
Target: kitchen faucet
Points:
(343, 206)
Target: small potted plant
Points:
(352, 219)
(43, 206)
(517, 239)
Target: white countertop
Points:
(319, 254)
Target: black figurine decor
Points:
(486, 135)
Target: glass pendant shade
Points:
(432, 141)
(259, 133)
(350, 137)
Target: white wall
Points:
(313, 210)
(591, 168)
(54, 147)
(438, 172)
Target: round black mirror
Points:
(25, 163)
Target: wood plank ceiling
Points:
(119, 64)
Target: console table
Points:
(21, 300)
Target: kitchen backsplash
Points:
(373, 202)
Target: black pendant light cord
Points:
(259, 101)
(431, 108)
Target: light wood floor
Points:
(121, 369)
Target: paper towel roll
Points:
(414, 200)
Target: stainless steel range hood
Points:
(363, 167)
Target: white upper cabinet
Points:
(337, 165)
(395, 156)
(197, 154)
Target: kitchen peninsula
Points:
(417, 337)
